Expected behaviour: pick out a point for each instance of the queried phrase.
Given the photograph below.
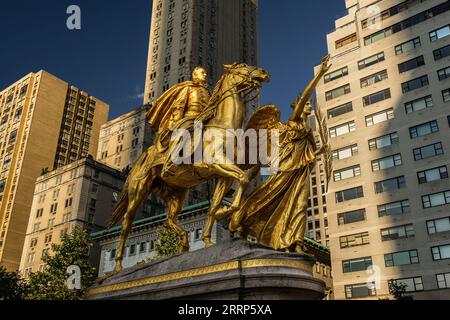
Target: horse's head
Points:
(247, 77)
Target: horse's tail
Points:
(122, 205)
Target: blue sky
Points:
(107, 57)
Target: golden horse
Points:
(226, 111)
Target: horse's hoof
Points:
(208, 243)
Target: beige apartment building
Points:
(124, 139)
(189, 33)
(45, 123)
(81, 194)
(387, 97)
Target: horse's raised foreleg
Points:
(233, 172)
(223, 185)
(174, 202)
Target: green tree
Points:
(169, 243)
(398, 290)
(12, 286)
(51, 283)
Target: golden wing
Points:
(327, 154)
(265, 117)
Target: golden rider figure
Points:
(178, 108)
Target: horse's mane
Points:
(210, 111)
(217, 92)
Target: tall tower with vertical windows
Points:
(189, 33)
(387, 97)
(45, 124)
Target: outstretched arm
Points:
(296, 116)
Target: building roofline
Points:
(322, 252)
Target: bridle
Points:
(247, 90)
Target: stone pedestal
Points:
(231, 270)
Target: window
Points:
(376, 97)
(387, 162)
(441, 252)
(438, 225)
(338, 92)
(67, 217)
(428, 151)
(443, 280)
(347, 40)
(390, 185)
(374, 78)
(198, 234)
(36, 227)
(419, 104)
(436, 199)
(411, 64)
(51, 223)
(68, 203)
(424, 129)
(401, 258)
(383, 141)
(440, 33)
(412, 284)
(53, 208)
(400, 232)
(380, 117)
(342, 129)
(33, 242)
(142, 247)
(345, 153)
(444, 73)
(408, 46)
(349, 194)
(352, 217)
(347, 173)
(112, 255)
(361, 290)
(391, 11)
(407, 23)
(336, 74)
(415, 84)
(446, 95)
(39, 213)
(132, 250)
(93, 203)
(338, 111)
(431, 175)
(441, 53)
(354, 240)
(354, 265)
(393, 208)
(48, 238)
(370, 61)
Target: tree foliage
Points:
(51, 283)
(169, 243)
(12, 286)
(398, 290)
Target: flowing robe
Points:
(275, 213)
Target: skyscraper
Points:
(45, 123)
(189, 33)
(387, 98)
